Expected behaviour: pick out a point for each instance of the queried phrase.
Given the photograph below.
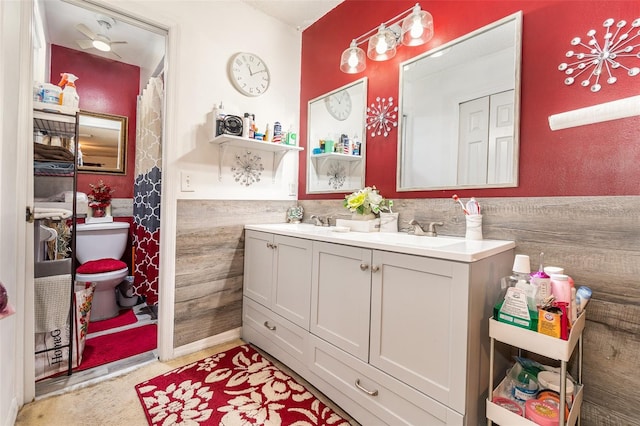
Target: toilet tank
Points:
(101, 240)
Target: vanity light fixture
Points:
(412, 27)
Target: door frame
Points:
(25, 376)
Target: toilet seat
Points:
(100, 266)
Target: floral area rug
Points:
(233, 388)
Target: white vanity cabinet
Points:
(277, 285)
(340, 297)
(396, 337)
(278, 275)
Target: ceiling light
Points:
(101, 44)
(352, 60)
(412, 27)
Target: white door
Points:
(473, 142)
(340, 297)
(500, 158)
(292, 279)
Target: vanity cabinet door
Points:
(419, 324)
(292, 279)
(258, 266)
(340, 297)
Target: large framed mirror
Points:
(102, 141)
(336, 142)
(459, 109)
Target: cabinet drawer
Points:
(274, 334)
(390, 400)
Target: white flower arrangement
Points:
(366, 201)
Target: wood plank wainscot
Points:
(392, 328)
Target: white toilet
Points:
(99, 247)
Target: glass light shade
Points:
(352, 60)
(417, 28)
(382, 45)
(101, 45)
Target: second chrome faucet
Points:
(417, 229)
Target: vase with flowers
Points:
(366, 203)
(99, 198)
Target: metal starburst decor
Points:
(598, 59)
(382, 117)
(337, 175)
(248, 169)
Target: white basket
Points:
(360, 225)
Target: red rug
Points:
(125, 317)
(236, 387)
(116, 346)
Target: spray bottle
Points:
(69, 96)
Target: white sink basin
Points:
(398, 238)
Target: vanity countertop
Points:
(441, 247)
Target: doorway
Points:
(140, 185)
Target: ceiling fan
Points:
(98, 41)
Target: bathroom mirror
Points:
(102, 139)
(459, 109)
(336, 145)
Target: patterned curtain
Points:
(146, 191)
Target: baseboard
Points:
(12, 415)
(218, 339)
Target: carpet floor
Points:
(114, 402)
(234, 387)
(124, 317)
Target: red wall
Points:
(104, 86)
(597, 159)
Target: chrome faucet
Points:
(431, 232)
(319, 221)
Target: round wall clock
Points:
(339, 105)
(249, 74)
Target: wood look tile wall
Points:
(210, 263)
(596, 240)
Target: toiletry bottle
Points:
(560, 288)
(583, 295)
(246, 125)
(69, 96)
(266, 134)
(542, 283)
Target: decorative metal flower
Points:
(248, 169)
(337, 175)
(599, 58)
(382, 117)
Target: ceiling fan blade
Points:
(118, 56)
(86, 31)
(85, 44)
(118, 42)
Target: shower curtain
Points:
(146, 192)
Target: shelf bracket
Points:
(277, 159)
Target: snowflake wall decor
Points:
(598, 59)
(337, 175)
(382, 117)
(248, 169)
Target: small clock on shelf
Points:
(249, 74)
(339, 105)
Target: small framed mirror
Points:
(459, 106)
(102, 143)
(336, 143)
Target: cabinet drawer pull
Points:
(375, 268)
(368, 392)
(270, 327)
(364, 266)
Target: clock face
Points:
(339, 105)
(249, 74)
